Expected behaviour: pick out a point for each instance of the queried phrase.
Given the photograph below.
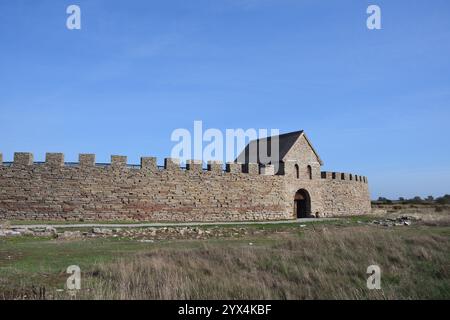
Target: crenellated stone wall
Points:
(344, 194)
(55, 190)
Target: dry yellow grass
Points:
(429, 213)
(328, 263)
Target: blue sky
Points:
(375, 103)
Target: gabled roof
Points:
(286, 142)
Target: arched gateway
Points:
(302, 204)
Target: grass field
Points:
(326, 260)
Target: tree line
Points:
(416, 200)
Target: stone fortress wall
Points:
(83, 191)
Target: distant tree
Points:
(401, 199)
(416, 199)
(443, 200)
(384, 200)
(430, 198)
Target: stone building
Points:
(251, 188)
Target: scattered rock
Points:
(102, 231)
(6, 233)
(145, 234)
(69, 235)
(50, 230)
(28, 232)
(391, 222)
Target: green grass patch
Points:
(324, 259)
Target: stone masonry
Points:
(55, 190)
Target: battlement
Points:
(328, 175)
(118, 162)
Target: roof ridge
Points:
(299, 132)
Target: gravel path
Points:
(169, 224)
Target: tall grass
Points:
(329, 263)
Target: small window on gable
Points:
(309, 171)
(297, 171)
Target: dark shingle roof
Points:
(286, 141)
